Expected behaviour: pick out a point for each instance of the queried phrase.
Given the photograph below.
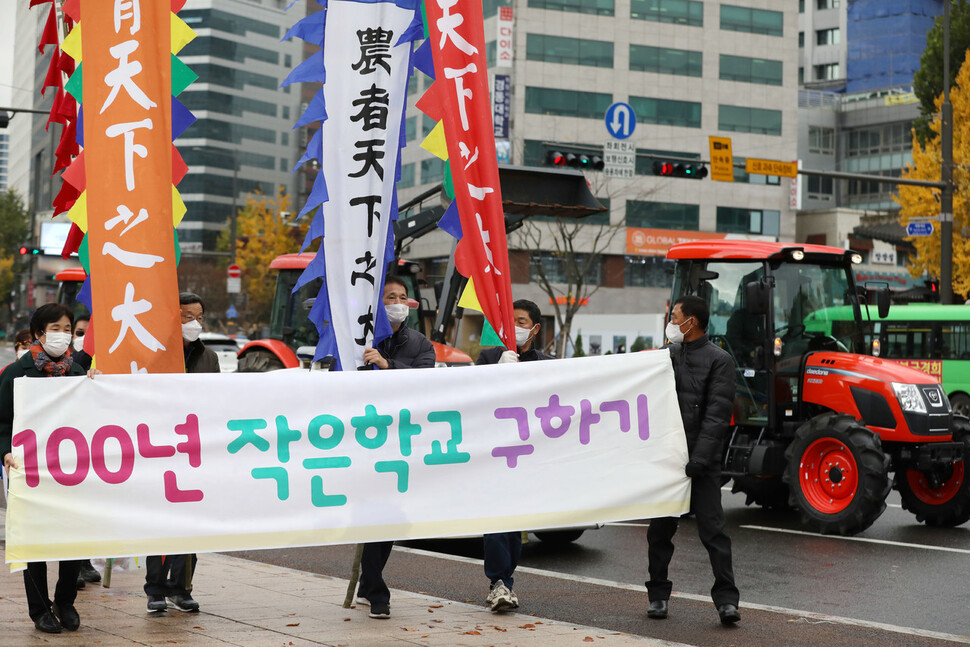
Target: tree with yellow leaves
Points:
(921, 203)
(265, 230)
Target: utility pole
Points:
(946, 170)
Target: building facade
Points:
(689, 70)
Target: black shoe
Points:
(68, 616)
(89, 573)
(183, 603)
(657, 610)
(729, 614)
(157, 603)
(380, 610)
(80, 583)
(48, 624)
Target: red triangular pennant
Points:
(56, 109)
(66, 198)
(74, 174)
(71, 245)
(429, 103)
(177, 5)
(179, 167)
(72, 8)
(49, 37)
(53, 78)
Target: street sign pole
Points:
(946, 170)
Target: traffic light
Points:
(28, 251)
(576, 160)
(680, 169)
(4, 118)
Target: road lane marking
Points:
(807, 615)
(886, 542)
(626, 524)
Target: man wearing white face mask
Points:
(81, 357)
(406, 348)
(503, 549)
(170, 576)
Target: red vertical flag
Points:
(457, 34)
(127, 129)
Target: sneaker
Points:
(156, 603)
(514, 598)
(89, 573)
(183, 603)
(499, 598)
(362, 601)
(380, 610)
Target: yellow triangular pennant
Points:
(182, 34)
(71, 45)
(469, 299)
(78, 214)
(435, 144)
(178, 207)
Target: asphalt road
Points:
(898, 583)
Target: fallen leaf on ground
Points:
(472, 633)
(293, 624)
(437, 606)
(527, 626)
(346, 619)
(588, 639)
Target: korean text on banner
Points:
(457, 39)
(245, 461)
(127, 128)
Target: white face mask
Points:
(78, 343)
(22, 352)
(397, 313)
(522, 335)
(56, 344)
(674, 333)
(191, 330)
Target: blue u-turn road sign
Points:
(922, 228)
(620, 120)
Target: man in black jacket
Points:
(170, 576)
(503, 549)
(705, 378)
(405, 348)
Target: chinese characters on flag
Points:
(127, 129)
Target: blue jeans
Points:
(502, 553)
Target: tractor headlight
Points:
(909, 397)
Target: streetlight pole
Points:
(946, 170)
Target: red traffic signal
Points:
(555, 158)
(679, 169)
(25, 250)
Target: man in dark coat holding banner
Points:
(405, 348)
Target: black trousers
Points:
(372, 562)
(168, 575)
(705, 503)
(502, 553)
(35, 583)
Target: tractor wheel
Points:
(770, 492)
(937, 499)
(838, 474)
(960, 403)
(259, 360)
(558, 537)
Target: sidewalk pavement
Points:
(250, 603)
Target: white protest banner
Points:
(162, 464)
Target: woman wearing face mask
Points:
(21, 342)
(48, 356)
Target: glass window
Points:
(226, 132)
(227, 104)
(648, 272)
(825, 4)
(432, 170)
(286, 112)
(215, 47)
(827, 72)
(227, 22)
(287, 60)
(407, 176)
(665, 60)
(662, 215)
(232, 78)
(750, 70)
(749, 120)
(491, 51)
(818, 186)
(801, 6)
(574, 51)
(733, 220)
(410, 128)
(559, 269)
(667, 112)
(821, 140)
(755, 21)
(427, 124)
(568, 103)
(413, 84)
(596, 7)
(284, 164)
(827, 36)
(801, 39)
(678, 12)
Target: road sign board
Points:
(232, 313)
(619, 158)
(722, 161)
(620, 120)
(920, 228)
(233, 285)
(771, 167)
(233, 271)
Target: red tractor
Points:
(293, 337)
(818, 425)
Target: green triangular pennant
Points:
(449, 182)
(178, 250)
(489, 336)
(182, 76)
(74, 84)
(82, 255)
